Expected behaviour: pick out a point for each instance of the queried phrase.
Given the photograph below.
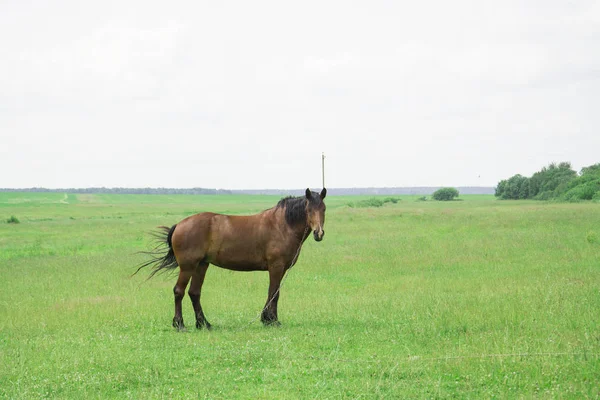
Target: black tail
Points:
(161, 261)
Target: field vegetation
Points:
(445, 194)
(554, 182)
(410, 299)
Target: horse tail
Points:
(159, 260)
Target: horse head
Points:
(315, 212)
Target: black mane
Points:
(295, 207)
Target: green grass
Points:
(471, 299)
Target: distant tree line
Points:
(554, 182)
(279, 192)
(126, 190)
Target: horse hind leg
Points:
(179, 292)
(194, 293)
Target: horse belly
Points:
(238, 257)
(239, 266)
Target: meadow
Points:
(477, 298)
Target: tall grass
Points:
(471, 299)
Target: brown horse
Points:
(268, 241)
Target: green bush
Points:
(13, 220)
(372, 202)
(445, 194)
(584, 187)
(393, 200)
(585, 191)
(365, 203)
(422, 198)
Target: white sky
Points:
(247, 94)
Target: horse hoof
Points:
(272, 323)
(206, 325)
(179, 326)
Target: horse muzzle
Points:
(318, 235)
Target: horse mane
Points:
(295, 207)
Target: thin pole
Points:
(323, 167)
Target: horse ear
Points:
(323, 193)
(308, 194)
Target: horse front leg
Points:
(269, 313)
(194, 292)
(179, 292)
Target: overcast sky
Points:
(247, 94)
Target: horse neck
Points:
(300, 229)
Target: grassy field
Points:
(468, 299)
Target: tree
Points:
(551, 181)
(516, 187)
(556, 181)
(500, 189)
(445, 194)
(585, 186)
(591, 170)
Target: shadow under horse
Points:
(268, 241)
